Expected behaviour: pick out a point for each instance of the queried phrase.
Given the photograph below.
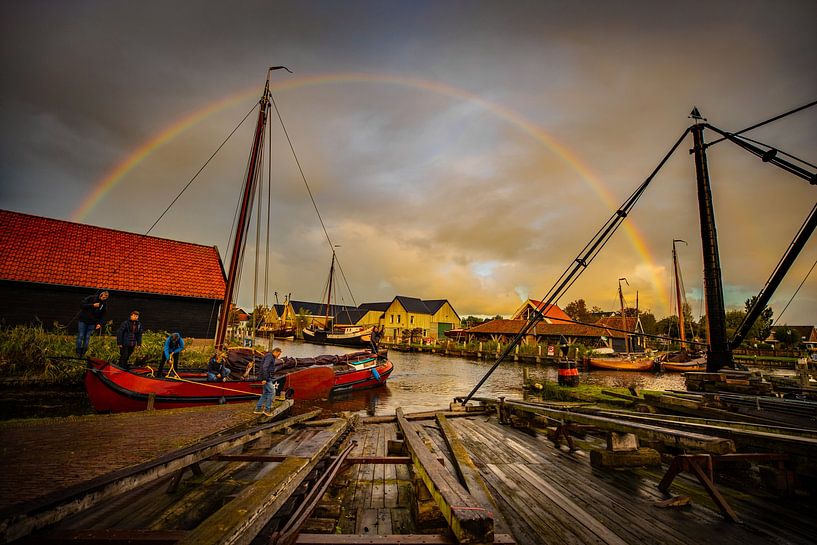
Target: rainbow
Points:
(112, 178)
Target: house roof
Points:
(629, 324)
(48, 251)
(550, 312)
(382, 307)
(318, 309)
(513, 327)
(434, 305)
(412, 304)
(350, 316)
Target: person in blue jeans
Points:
(91, 316)
(217, 370)
(268, 364)
(174, 344)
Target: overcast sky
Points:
(456, 150)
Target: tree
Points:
(762, 327)
(302, 319)
(787, 336)
(578, 311)
(471, 321)
(648, 323)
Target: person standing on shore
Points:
(268, 365)
(129, 338)
(91, 316)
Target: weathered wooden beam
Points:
(469, 473)
(109, 535)
(392, 539)
(21, 520)
(249, 458)
(425, 415)
(766, 440)
(671, 437)
(239, 521)
(468, 520)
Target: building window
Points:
(391, 318)
(398, 318)
(411, 320)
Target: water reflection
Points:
(422, 382)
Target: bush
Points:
(32, 352)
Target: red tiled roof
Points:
(513, 327)
(550, 312)
(49, 251)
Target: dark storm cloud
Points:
(430, 195)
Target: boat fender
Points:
(375, 374)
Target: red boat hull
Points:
(113, 389)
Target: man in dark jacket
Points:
(268, 366)
(91, 316)
(129, 338)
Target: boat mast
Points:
(623, 317)
(329, 291)
(681, 324)
(253, 169)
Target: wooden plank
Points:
(239, 521)
(468, 520)
(469, 474)
(671, 437)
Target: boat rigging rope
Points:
(311, 197)
(766, 122)
(795, 292)
(128, 253)
(579, 265)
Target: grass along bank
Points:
(32, 353)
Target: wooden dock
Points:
(438, 477)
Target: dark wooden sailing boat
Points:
(330, 332)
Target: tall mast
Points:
(329, 291)
(681, 324)
(244, 212)
(623, 317)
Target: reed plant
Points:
(33, 352)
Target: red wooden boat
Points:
(113, 389)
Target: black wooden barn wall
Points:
(25, 303)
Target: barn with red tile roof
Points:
(47, 266)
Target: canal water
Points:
(423, 381)
(419, 382)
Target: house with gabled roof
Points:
(551, 313)
(430, 318)
(47, 266)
